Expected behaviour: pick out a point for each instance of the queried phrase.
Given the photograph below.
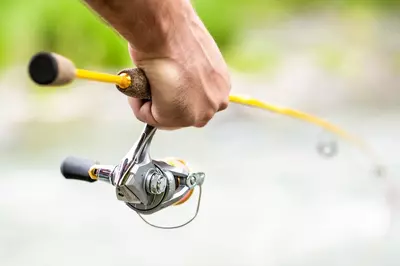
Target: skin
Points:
(188, 76)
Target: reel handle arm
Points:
(77, 168)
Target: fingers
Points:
(224, 104)
(142, 111)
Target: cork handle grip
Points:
(140, 87)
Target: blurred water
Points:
(269, 197)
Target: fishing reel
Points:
(144, 184)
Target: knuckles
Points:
(194, 111)
(224, 104)
(204, 118)
(190, 98)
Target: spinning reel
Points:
(144, 184)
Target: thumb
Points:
(142, 110)
(132, 53)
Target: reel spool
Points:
(180, 163)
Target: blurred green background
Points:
(269, 197)
(69, 28)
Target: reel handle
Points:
(77, 168)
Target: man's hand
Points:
(188, 77)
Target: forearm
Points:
(151, 27)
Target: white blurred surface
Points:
(269, 198)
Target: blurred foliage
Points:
(330, 57)
(396, 62)
(68, 27)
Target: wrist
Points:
(165, 30)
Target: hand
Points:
(188, 77)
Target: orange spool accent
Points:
(180, 163)
(185, 198)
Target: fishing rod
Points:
(144, 184)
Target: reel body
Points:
(144, 184)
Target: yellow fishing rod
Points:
(146, 185)
(54, 70)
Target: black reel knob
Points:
(77, 168)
